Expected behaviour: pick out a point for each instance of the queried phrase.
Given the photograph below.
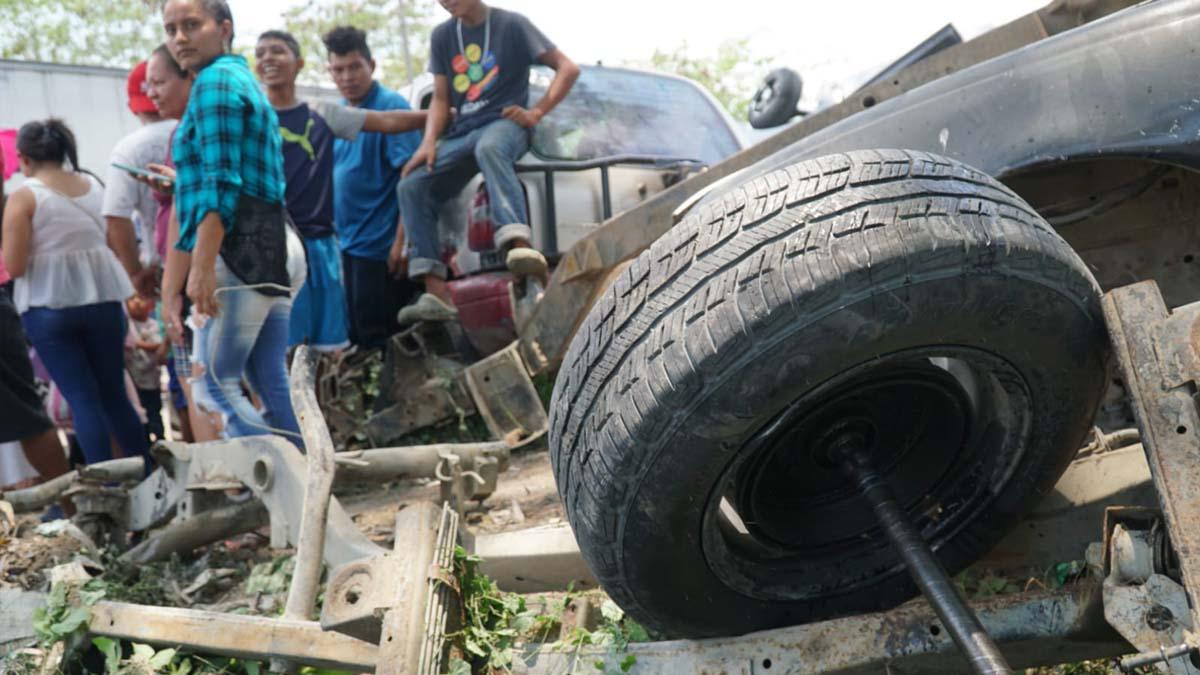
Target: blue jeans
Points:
(492, 149)
(83, 348)
(248, 337)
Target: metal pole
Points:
(974, 642)
(306, 577)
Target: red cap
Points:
(135, 86)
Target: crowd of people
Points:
(239, 221)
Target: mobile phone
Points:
(134, 171)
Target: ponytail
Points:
(48, 140)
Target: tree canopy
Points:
(381, 19)
(116, 33)
(731, 74)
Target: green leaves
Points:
(381, 20)
(66, 613)
(111, 649)
(494, 621)
(731, 75)
(93, 32)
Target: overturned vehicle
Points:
(796, 389)
(866, 347)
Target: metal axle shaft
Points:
(974, 642)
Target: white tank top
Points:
(70, 263)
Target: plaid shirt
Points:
(227, 143)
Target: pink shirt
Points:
(4, 278)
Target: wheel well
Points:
(1129, 219)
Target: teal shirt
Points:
(227, 144)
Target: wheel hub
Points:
(943, 426)
(913, 423)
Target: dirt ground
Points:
(27, 555)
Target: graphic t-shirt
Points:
(308, 162)
(487, 65)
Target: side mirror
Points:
(775, 101)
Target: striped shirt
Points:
(227, 144)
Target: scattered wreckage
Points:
(803, 386)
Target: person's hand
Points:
(172, 312)
(526, 117)
(202, 290)
(426, 154)
(397, 261)
(146, 281)
(149, 346)
(165, 184)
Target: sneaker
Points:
(527, 262)
(428, 307)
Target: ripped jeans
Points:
(248, 338)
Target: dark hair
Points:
(284, 37)
(219, 11)
(346, 39)
(48, 141)
(165, 53)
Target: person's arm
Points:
(397, 262)
(174, 275)
(122, 239)
(18, 231)
(395, 121)
(565, 74)
(122, 195)
(435, 124)
(202, 282)
(347, 122)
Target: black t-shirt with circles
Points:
(489, 69)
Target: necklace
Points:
(487, 34)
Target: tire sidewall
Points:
(691, 449)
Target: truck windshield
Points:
(613, 111)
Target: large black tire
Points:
(908, 291)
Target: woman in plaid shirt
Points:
(229, 239)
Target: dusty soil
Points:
(26, 556)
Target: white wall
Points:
(90, 100)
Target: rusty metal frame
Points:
(1159, 358)
(1043, 628)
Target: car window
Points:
(618, 112)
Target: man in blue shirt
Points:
(366, 212)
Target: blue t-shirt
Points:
(365, 173)
(308, 170)
(487, 65)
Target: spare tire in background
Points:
(901, 289)
(776, 99)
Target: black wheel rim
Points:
(946, 426)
